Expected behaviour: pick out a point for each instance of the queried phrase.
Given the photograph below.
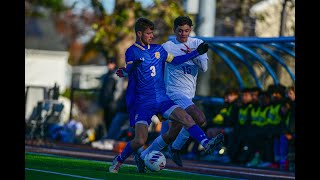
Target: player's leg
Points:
(182, 138)
(166, 108)
(194, 130)
(141, 135)
(141, 124)
(197, 115)
(163, 139)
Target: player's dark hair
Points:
(142, 24)
(182, 20)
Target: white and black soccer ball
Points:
(155, 161)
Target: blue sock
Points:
(127, 151)
(164, 127)
(197, 133)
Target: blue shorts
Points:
(143, 113)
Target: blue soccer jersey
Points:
(150, 87)
(146, 94)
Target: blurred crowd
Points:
(259, 127)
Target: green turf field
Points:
(40, 166)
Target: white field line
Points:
(62, 174)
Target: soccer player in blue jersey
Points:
(147, 93)
(180, 81)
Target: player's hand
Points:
(202, 48)
(122, 72)
(188, 50)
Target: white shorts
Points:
(181, 100)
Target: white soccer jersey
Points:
(181, 79)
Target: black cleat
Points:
(214, 143)
(140, 163)
(175, 155)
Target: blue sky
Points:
(108, 4)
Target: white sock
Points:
(181, 139)
(158, 144)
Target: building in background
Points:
(268, 18)
(45, 68)
(88, 76)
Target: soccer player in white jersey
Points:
(180, 84)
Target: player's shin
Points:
(181, 139)
(158, 144)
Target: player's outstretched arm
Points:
(202, 48)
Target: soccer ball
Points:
(155, 161)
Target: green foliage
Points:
(87, 94)
(163, 14)
(66, 93)
(119, 25)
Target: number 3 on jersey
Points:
(153, 71)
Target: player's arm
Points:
(202, 48)
(125, 71)
(130, 93)
(131, 64)
(201, 62)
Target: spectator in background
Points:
(291, 130)
(290, 121)
(224, 122)
(225, 119)
(109, 93)
(240, 151)
(255, 140)
(276, 123)
(266, 150)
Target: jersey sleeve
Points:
(176, 60)
(202, 60)
(131, 61)
(130, 93)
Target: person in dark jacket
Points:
(109, 93)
